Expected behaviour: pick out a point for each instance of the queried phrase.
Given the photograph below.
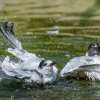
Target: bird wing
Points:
(16, 70)
(8, 67)
(23, 54)
(80, 63)
(7, 36)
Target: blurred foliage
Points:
(90, 12)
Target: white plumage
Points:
(89, 65)
(29, 67)
(83, 66)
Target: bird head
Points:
(46, 64)
(94, 49)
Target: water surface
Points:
(54, 29)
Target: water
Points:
(53, 29)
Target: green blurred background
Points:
(53, 28)
(58, 30)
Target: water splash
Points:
(30, 67)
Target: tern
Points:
(84, 67)
(29, 67)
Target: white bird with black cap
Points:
(84, 67)
(30, 67)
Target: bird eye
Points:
(44, 64)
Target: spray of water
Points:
(30, 67)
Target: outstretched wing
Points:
(7, 36)
(84, 63)
(13, 45)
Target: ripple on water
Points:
(69, 34)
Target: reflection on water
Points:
(56, 30)
(66, 90)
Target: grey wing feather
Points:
(8, 34)
(92, 66)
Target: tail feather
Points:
(7, 36)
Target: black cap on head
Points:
(41, 64)
(94, 49)
(10, 28)
(4, 24)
